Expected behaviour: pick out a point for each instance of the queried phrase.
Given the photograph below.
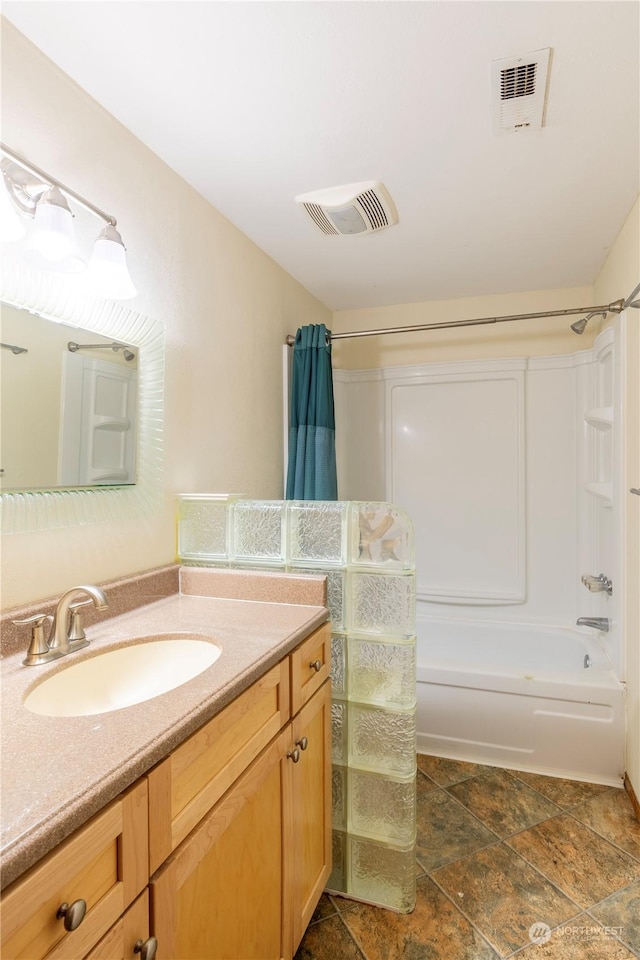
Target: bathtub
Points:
(519, 696)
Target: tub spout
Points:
(598, 623)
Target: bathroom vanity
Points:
(206, 813)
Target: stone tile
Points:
(328, 940)
(434, 931)
(580, 939)
(622, 910)
(445, 772)
(342, 904)
(503, 896)
(445, 830)
(424, 782)
(613, 817)
(582, 864)
(326, 908)
(564, 793)
(502, 803)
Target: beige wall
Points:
(226, 308)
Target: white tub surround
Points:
(507, 468)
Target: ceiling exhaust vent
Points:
(519, 86)
(349, 210)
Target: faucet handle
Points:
(38, 648)
(598, 584)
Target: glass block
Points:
(382, 807)
(339, 744)
(317, 532)
(381, 671)
(339, 666)
(339, 797)
(336, 584)
(337, 881)
(381, 534)
(383, 874)
(382, 740)
(203, 527)
(257, 530)
(383, 604)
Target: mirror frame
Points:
(56, 297)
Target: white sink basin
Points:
(123, 677)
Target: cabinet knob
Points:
(303, 743)
(294, 755)
(73, 913)
(316, 665)
(146, 948)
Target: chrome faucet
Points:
(61, 639)
(598, 623)
(65, 636)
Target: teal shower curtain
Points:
(311, 473)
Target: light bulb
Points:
(53, 235)
(107, 269)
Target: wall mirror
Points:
(53, 477)
(68, 405)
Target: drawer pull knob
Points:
(146, 948)
(294, 755)
(316, 665)
(303, 743)
(73, 913)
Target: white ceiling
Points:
(253, 103)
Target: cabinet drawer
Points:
(119, 942)
(310, 666)
(105, 863)
(184, 787)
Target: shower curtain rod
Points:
(616, 307)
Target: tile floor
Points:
(499, 851)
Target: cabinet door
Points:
(219, 896)
(311, 808)
(119, 943)
(105, 863)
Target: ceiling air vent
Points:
(519, 86)
(349, 210)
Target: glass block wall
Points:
(366, 551)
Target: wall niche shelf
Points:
(600, 417)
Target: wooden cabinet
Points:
(247, 879)
(104, 864)
(187, 784)
(234, 829)
(219, 895)
(126, 938)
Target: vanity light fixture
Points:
(31, 194)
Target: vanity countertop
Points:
(59, 771)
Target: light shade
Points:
(11, 226)
(107, 269)
(53, 235)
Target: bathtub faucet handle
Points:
(597, 584)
